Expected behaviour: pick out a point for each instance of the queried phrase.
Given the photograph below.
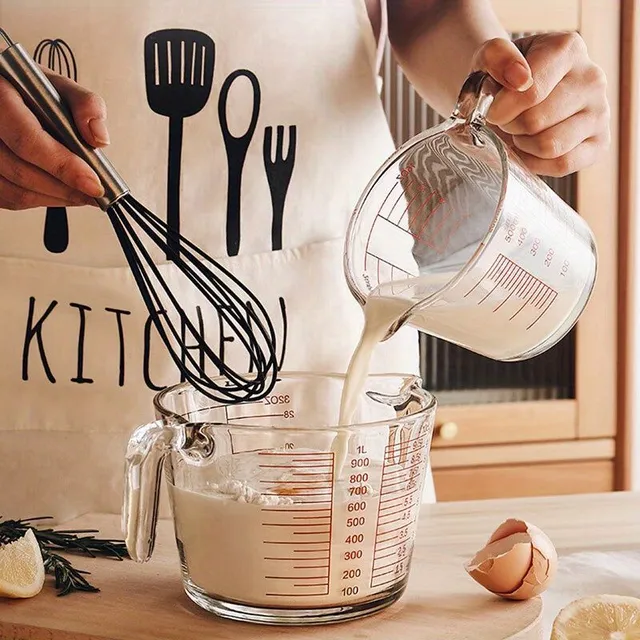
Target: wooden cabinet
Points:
(485, 447)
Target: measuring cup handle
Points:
(476, 96)
(146, 452)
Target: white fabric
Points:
(63, 441)
(591, 573)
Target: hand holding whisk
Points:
(203, 278)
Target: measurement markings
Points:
(325, 482)
(512, 280)
(297, 542)
(310, 533)
(296, 559)
(291, 524)
(384, 533)
(261, 415)
(519, 283)
(325, 457)
(543, 312)
(295, 578)
(430, 215)
(392, 546)
(314, 521)
(289, 466)
(527, 285)
(386, 573)
(417, 195)
(392, 538)
(397, 482)
(541, 294)
(386, 198)
(395, 204)
(373, 255)
(407, 508)
(398, 472)
(405, 442)
(488, 294)
(296, 511)
(382, 584)
(388, 555)
(296, 595)
(519, 310)
(398, 497)
(390, 493)
(550, 295)
(395, 224)
(391, 511)
(319, 473)
(404, 450)
(308, 495)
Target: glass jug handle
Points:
(146, 451)
(475, 98)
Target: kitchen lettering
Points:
(37, 340)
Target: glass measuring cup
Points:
(478, 250)
(265, 530)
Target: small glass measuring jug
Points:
(268, 529)
(481, 252)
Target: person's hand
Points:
(35, 169)
(553, 108)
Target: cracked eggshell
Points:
(518, 562)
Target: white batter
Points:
(284, 549)
(275, 550)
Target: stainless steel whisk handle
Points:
(19, 68)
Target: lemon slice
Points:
(602, 617)
(21, 568)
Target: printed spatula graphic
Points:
(179, 66)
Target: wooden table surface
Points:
(145, 602)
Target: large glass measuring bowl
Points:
(268, 528)
(479, 251)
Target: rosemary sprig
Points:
(67, 578)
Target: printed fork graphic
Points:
(279, 171)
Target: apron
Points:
(268, 147)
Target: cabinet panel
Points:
(505, 422)
(596, 373)
(511, 481)
(531, 452)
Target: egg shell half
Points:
(518, 562)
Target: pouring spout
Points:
(395, 327)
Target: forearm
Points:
(434, 41)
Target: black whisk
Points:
(207, 283)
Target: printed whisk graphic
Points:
(199, 278)
(57, 56)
